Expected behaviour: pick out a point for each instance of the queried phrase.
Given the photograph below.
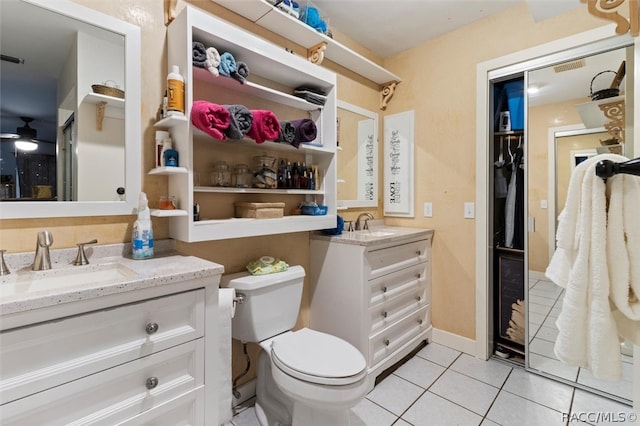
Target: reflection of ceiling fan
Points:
(25, 136)
(25, 132)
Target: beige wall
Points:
(439, 84)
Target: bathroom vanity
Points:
(373, 289)
(117, 341)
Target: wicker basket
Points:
(108, 89)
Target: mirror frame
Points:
(376, 122)
(133, 155)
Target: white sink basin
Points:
(27, 281)
(380, 233)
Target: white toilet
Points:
(305, 377)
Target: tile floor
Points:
(441, 386)
(545, 303)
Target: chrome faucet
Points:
(368, 217)
(42, 260)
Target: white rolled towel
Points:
(212, 61)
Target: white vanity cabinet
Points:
(274, 74)
(374, 293)
(131, 357)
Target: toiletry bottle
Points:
(142, 241)
(161, 135)
(169, 155)
(175, 92)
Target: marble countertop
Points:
(376, 234)
(111, 271)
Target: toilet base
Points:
(304, 415)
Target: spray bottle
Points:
(142, 241)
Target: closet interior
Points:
(508, 206)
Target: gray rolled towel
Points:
(287, 133)
(241, 121)
(199, 54)
(241, 73)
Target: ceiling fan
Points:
(25, 136)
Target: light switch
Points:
(469, 210)
(428, 209)
(543, 204)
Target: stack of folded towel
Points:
(594, 262)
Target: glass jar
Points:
(221, 175)
(241, 177)
(264, 172)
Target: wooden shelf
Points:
(264, 14)
(233, 190)
(168, 213)
(168, 171)
(170, 122)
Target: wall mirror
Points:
(87, 155)
(357, 156)
(579, 137)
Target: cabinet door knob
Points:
(420, 322)
(384, 289)
(386, 342)
(384, 314)
(151, 328)
(151, 383)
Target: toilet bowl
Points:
(305, 377)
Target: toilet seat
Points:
(317, 357)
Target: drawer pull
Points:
(384, 289)
(386, 342)
(151, 383)
(419, 252)
(384, 314)
(419, 298)
(420, 322)
(151, 328)
(418, 276)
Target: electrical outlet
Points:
(469, 210)
(428, 209)
(543, 204)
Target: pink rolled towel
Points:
(211, 118)
(265, 126)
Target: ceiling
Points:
(387, 27)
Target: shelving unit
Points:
(318, 45)
(275, 73)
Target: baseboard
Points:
(247, 391)
(537, 275)
(454, 341)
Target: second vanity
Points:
(373, 289)
(117, 341)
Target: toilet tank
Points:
(271, 303)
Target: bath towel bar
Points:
(607, 168)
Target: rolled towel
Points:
(199, 54)
(211, 118)
(227, 64)
(241, 119)
(265, 126)
(287, 133)
(213, 61)
(241, 73)
(305, 130)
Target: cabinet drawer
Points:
(392, 338)
(405, 281)
(115, 395)
(45, 355)
(397, 308)
(185, 410)
(390, 259)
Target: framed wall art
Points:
(398, 164)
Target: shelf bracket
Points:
(608, 9)
(169, 11)
(315, 54)
(386, 91)
(614, 112)
(100, 107)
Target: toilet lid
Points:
(318, 357)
